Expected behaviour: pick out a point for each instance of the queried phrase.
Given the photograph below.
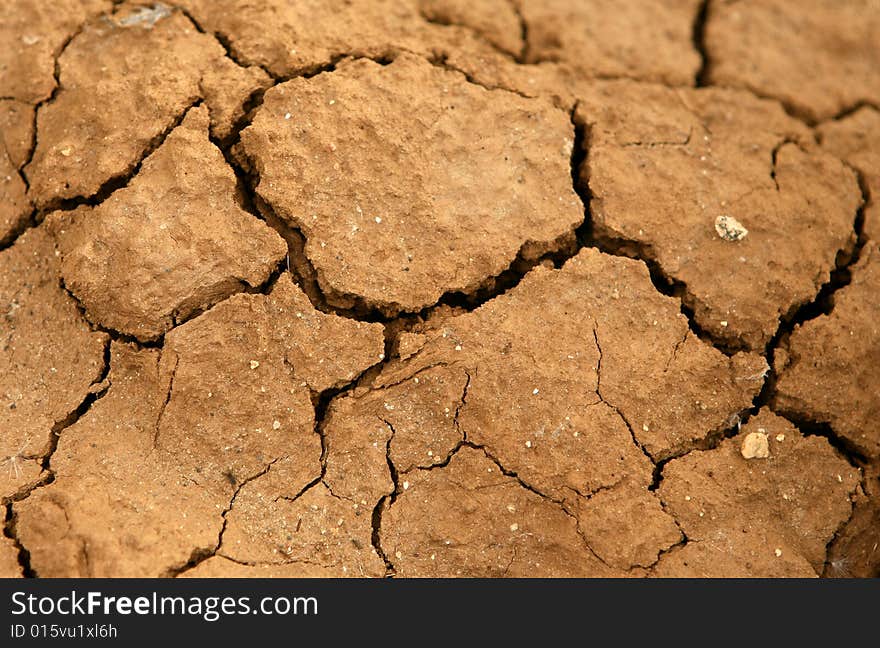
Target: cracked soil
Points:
(437, 288)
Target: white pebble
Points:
(755, 446)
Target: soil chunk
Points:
(145, 479)
(627, 527)
(664, 165)
(641, 40)
(151, 73)
(301, 37)
(817, 56)
(571, 415)
(494, 20)
(855, 552)
(15, 208)
(829, 371)
(171, 243)
(31, 35)
(9, 566)
(468, 519)
(403, 186)
(16, 130)
(764, 518)
(117, 506)
(49, 358)
(856, 139)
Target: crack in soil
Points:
(822, 303)
(473, 31)
(493, 287)
(614, 407)
(523, 31)
(701, 79)
(200, 555)
(97, 389)
(384, 502)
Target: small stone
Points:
(778, 552)
(755, 446)
(730, 229)
(276, 425)
(780, 437)
(254, 364)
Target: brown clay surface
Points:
(185, 430)
(817, 56)
(397, 238)
(856, 139)
(664, 165)
(757, 517)
(496, 20)
(140, 270)
(829, 369)
(31, 36)
(9, 566)
(439, 288)
(641, 40)
(49, 363)
(150, 74)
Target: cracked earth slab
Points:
(9, 566)
(856, 139)
(760, 517)
(829, 369)
(17, 128)
(31, 35)
(572, 417)
(641, 40)
(15, 208)
(16, 138)
(456, 199)
(170, 244)
(497, 21)
(49, 359)
(750, 44)
(144, 480)
(665, 165)
(855, 551)
(151, 73)
(301, 37)
(469, 519)
(566, 420)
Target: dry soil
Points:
(440, 288)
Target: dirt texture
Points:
(829, 369)
(498, 21)
(818, 57)
(318, 147)
(757, 517)
(641, 40)
(856, 139)
(151, 73)
(31, 36)
(664, 165)
(50, 360)
(171, 243)
(434, 288)
(186, 430)
(9, 566)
